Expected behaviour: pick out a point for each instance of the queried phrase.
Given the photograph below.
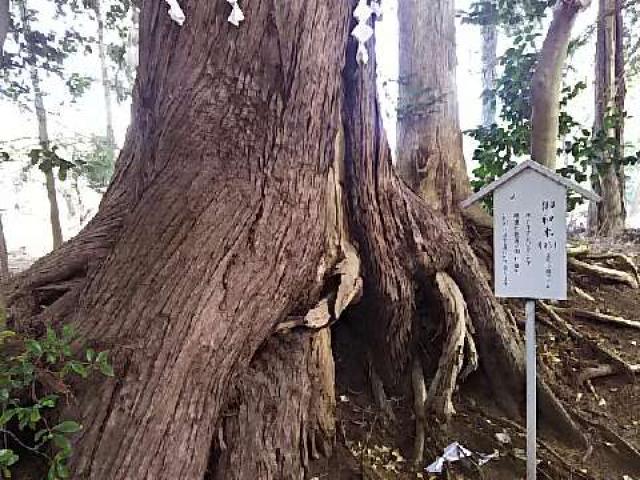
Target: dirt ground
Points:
(372, 446)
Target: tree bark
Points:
(106, 84)
(254, 192)
(43, 134)
(429, 139)
(609, 216)
(547, 82)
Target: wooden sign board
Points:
(530, 238)
(530, 231)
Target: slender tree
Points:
(608, 217)
(253, 204)
(489, 32)
(547, 82)
(4, 256)
(4, 23)
(43, 132)
(106, 83)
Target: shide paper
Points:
(175, 12)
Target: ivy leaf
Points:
(68, 426)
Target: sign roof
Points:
(529, 164)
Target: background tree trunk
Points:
(106, 84)
(4, 257)
(4, 23)
(43, 135)
(547, 83)
(50, 179)
(608, 217)
(489, 33)
(429, 140)
(4, 267)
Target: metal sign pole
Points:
(530, 334)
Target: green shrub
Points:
(28, 369)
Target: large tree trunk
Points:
(225, 245)
(547, 82)
(608, 217)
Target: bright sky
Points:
(23, 197)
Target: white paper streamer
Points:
(377, 8)
(175, 12)
(362, 31)
(236, 13)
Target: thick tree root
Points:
(377, 390)
(456, 323)
(419, 408)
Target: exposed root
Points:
(629, 451)
(419, 408)
(599, 317)
(606, 370)
(377, 389)
(541, 443)
(624, 261)
(451, 361)
(604, 272)
(566, 328)
(582, 294)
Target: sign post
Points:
(530, 254)
(530, 334)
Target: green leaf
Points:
(106, 370)
(90, 355)
(79, 368)
(6, 416)
(34, 416)
(62, 443)
(33, 347)
(68, 426)
(62, 470)
(8, 457)
(49, 401)
(68, 333)
(102, 361)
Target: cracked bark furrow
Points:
(281, 412)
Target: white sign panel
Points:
(530, 236)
